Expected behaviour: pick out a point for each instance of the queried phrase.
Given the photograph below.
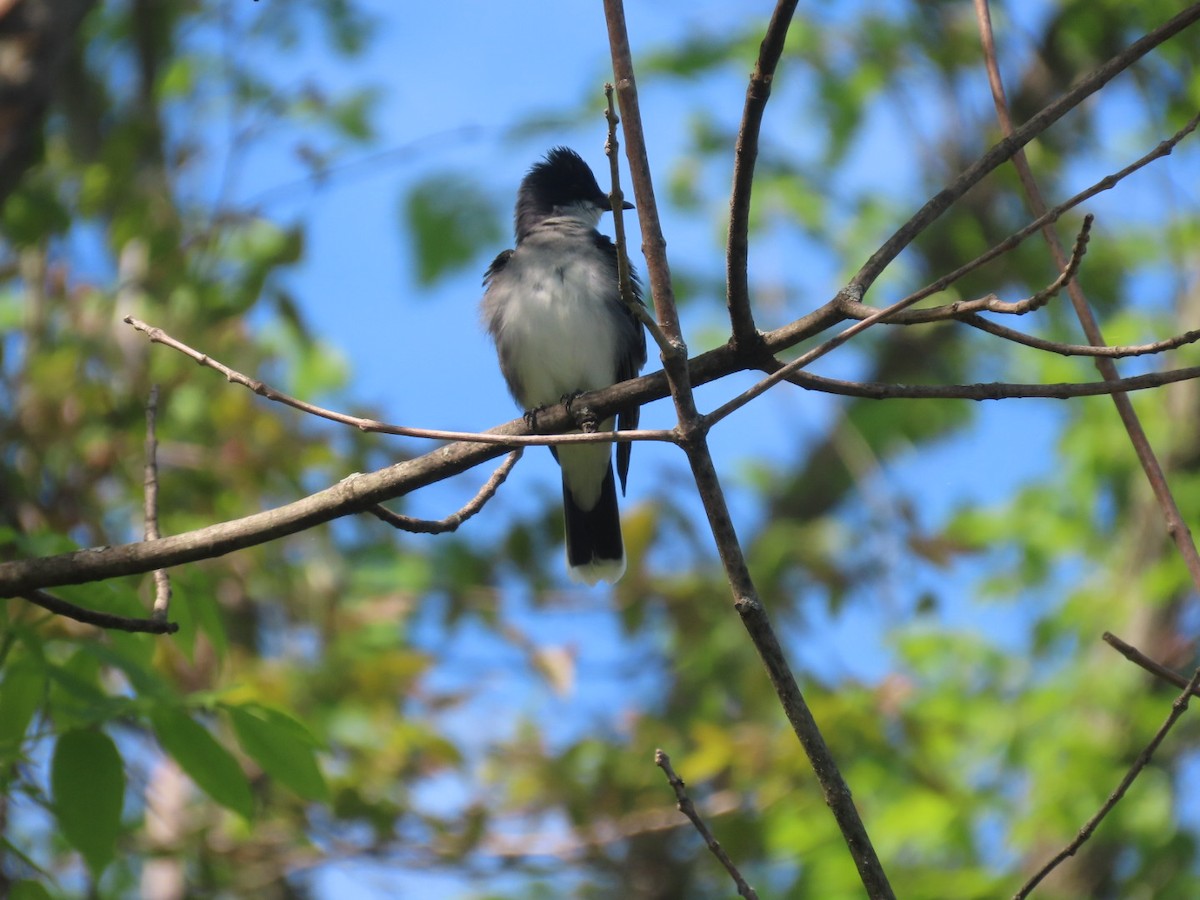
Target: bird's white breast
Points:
(557, 318)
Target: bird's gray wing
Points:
(494, 298)
(632, 353)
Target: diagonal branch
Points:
(1136, 656)
(545, 417)
(1106, 183)
(991, 303)
(1143, 759)
(685, 806)
(1176, 526)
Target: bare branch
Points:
(1134, 655)
(685, 806)
(162, 582)
(611, 147)
(745, 154)
(995, 390)
(654, 245)
(1143, 759)
(1176, 526)
(990, 303)
(158, 336)
(452, 521)
(61, 607)
(1113, 352)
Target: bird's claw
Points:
(531, 415)
(582, 414)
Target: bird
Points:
(553, 307)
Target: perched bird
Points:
(553, 307)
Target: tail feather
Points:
(595, 551)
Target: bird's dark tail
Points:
(594, 548)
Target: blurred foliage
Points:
(303, 702)
(449, 219)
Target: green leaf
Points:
(451, 220)
(282, 746)
(21, 693)
(206, 762)
(28, 890)
(87, 782)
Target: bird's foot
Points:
(583, 415)
(531, 416)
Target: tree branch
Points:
(158, 336)
(452, 521)
(61, 607)
(1176, 526)
(1143, 759)
(994, 390)
(990, 303)
(162, 582)
(1106, 183)
(745, 154)
(684, 805)
(1134, 655)
(1113, 352)
(611, 148)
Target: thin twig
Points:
(991, 303)
(685, 806)
(611, 148)
(1143, 759)
(993, 390)
(1113, 352)
(878, 315)
(654, 245)
(158, 336)
(452, 521)
(1175, 524)
(162, 581)
(61, 607)
(745, 154)
(1134, 655)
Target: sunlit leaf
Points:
(282, 746)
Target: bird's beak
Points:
(607, 206)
